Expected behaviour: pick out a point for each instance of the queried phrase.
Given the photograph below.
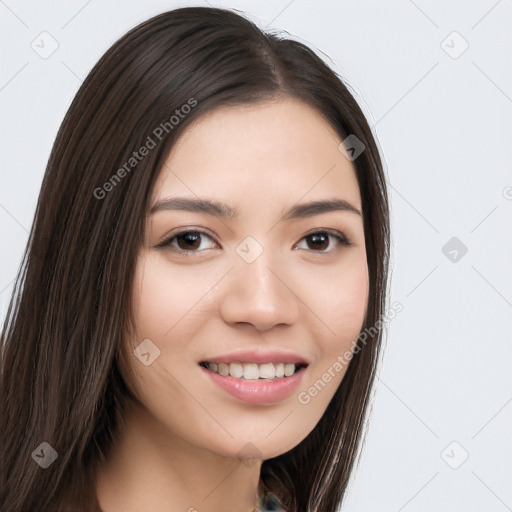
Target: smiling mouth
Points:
(253, 371)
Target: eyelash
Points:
(340, 237)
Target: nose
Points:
(260, 294)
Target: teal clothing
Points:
(269, 503)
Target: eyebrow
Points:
(225, 211)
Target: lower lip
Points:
(257, 391)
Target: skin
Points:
(180, 447)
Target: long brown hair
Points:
(71, 309)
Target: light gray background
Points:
(444, 122)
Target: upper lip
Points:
(258, 357)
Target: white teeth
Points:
(267, 371)
(289, 369)
(253, 371)
(223, 369)
(236, 370)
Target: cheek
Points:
(164, 300)
(341, 306)
(157, 310)
(152, 293)
(339, 300)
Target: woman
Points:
(189, 329)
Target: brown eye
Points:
(186, 241)
(319, 240)
(189, 240)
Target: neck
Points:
(150, 469)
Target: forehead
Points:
(270, 152)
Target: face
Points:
(260, 286)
